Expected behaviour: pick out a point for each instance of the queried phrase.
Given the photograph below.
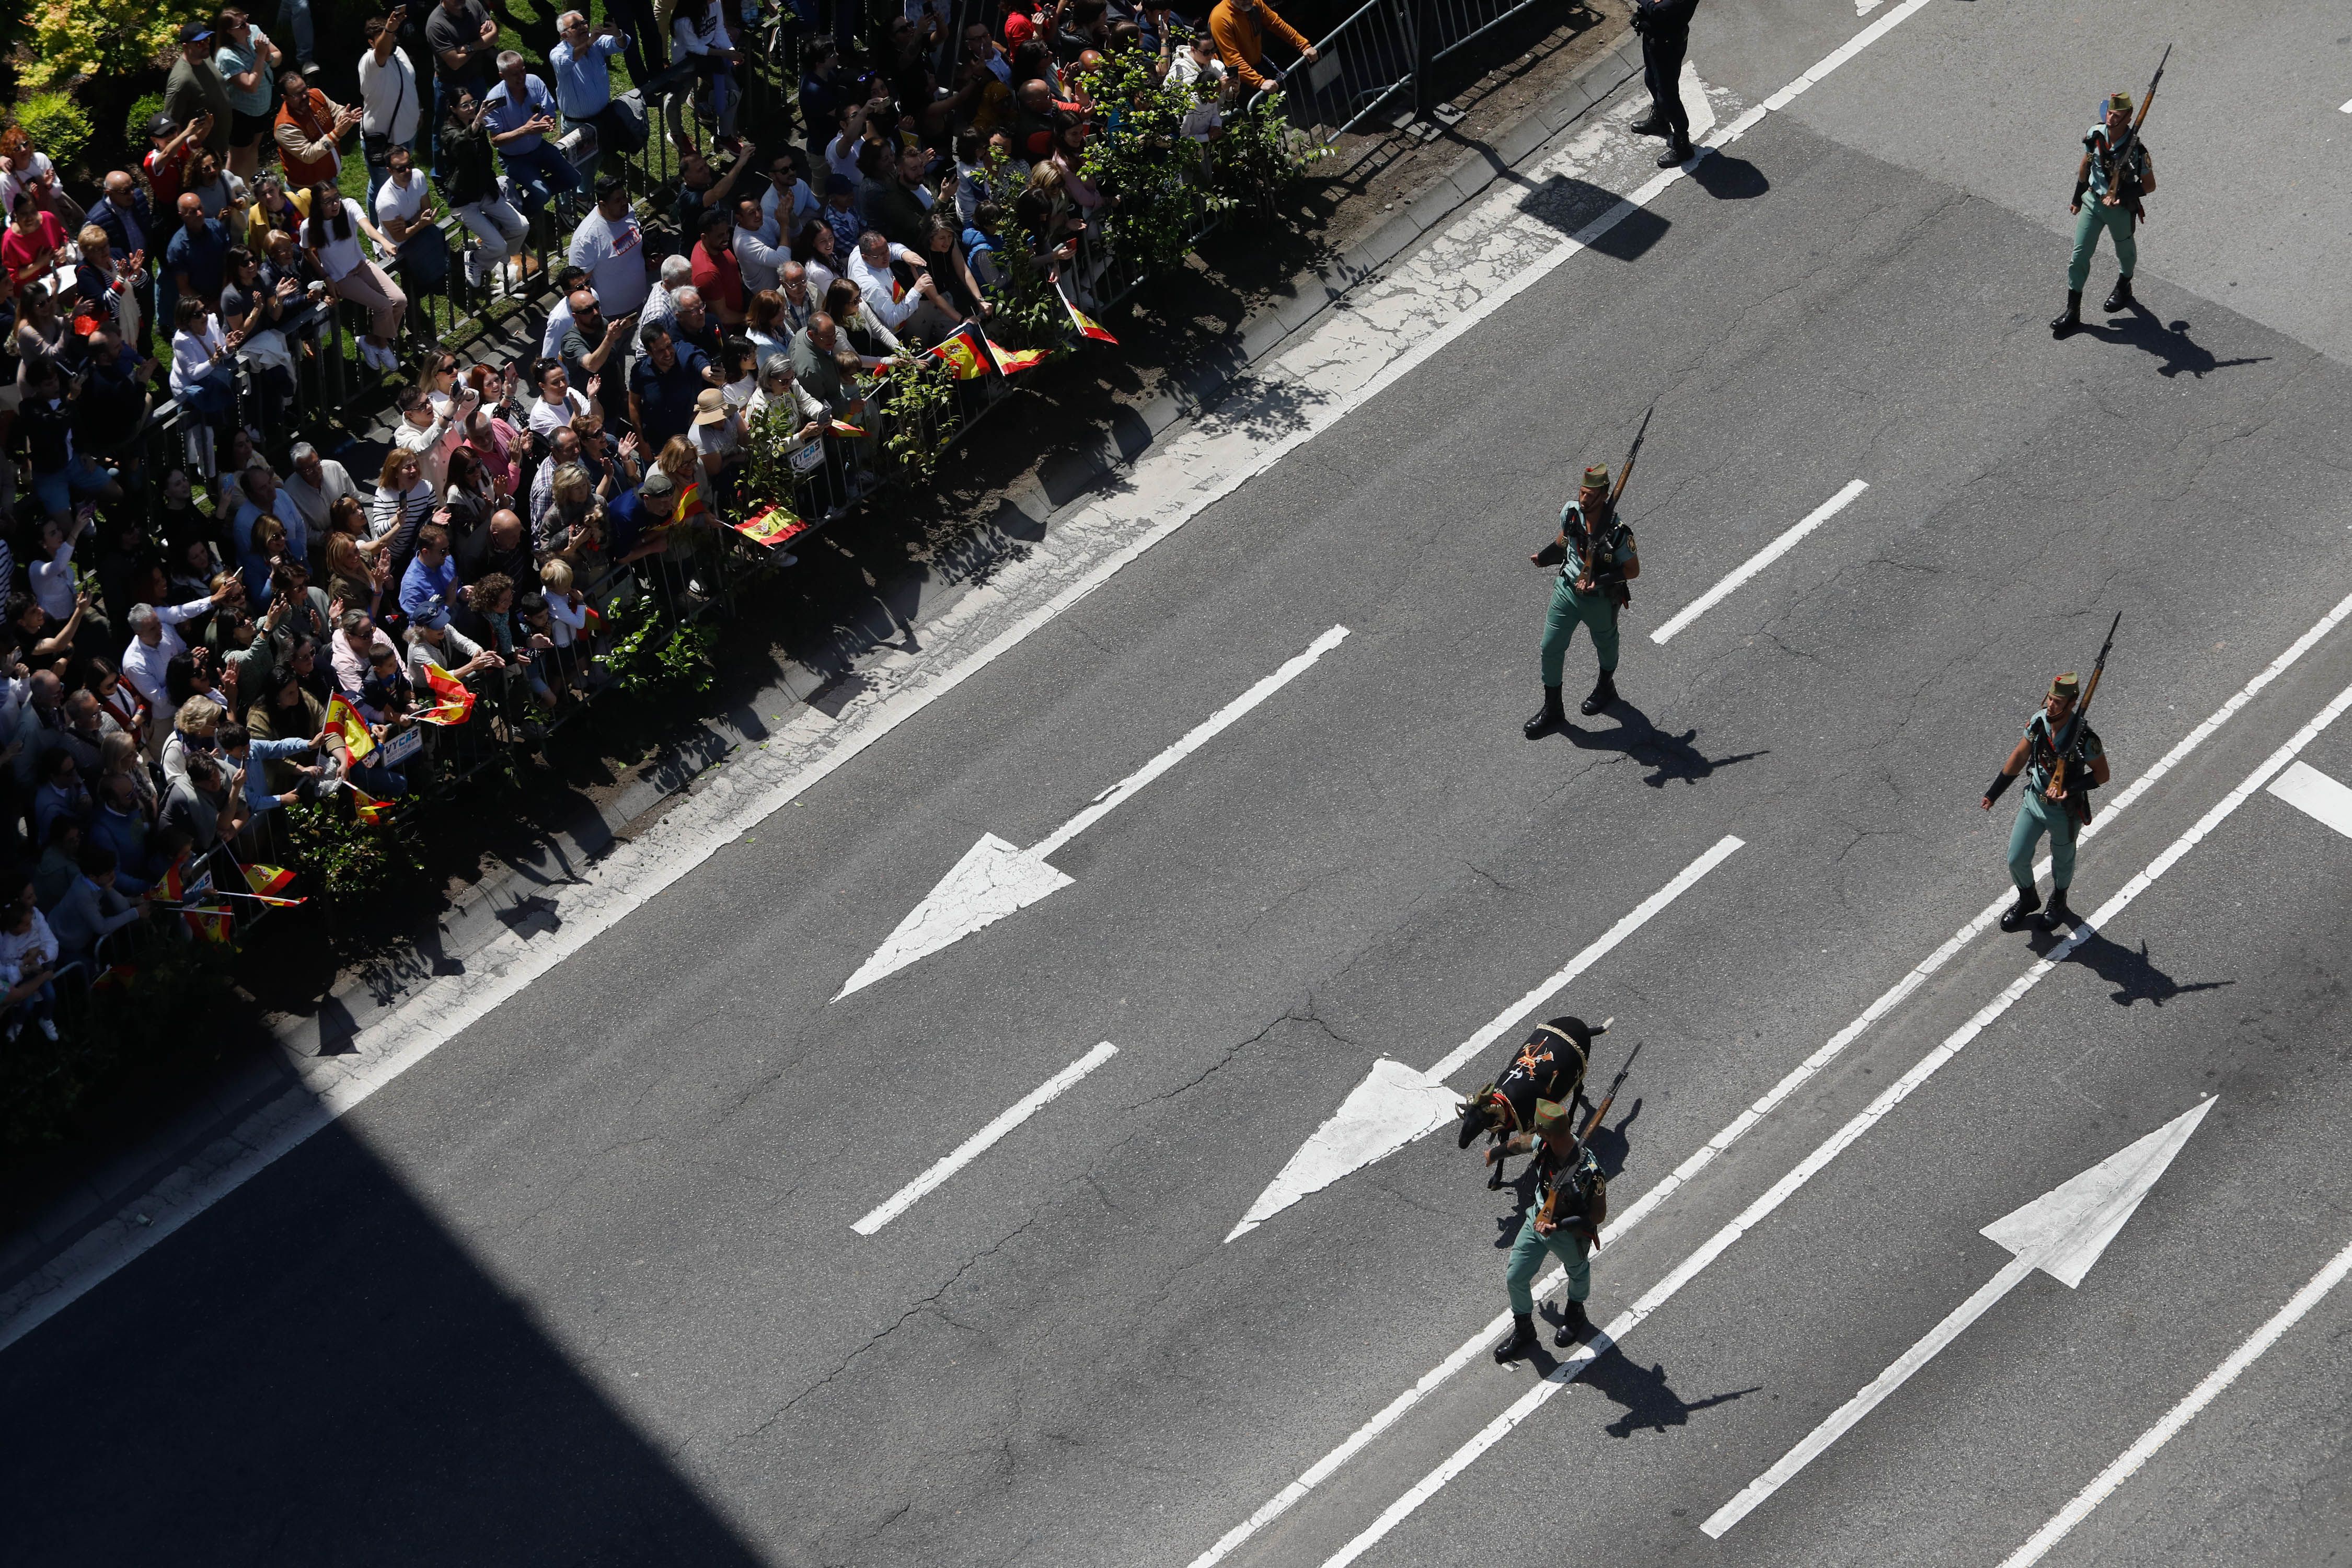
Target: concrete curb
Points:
(504, 901)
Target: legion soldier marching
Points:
(2062, 761)
(2115, 174)
(1596, 558)
(1571, 1202)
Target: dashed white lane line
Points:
(1788, 1186)
(2310, 791)
(1757, 562)
(2128, 1462)
(1741, 1125)
(973, 1147)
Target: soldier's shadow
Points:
(1649, 1403)
(1668, 756)
(2171, 343)
(1610, 1146)
(2134, 976)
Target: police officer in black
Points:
(1664, 27)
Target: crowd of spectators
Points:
(176, 633)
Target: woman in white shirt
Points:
(331, 235)
(203, 371)
(52, 572)
(403, 503)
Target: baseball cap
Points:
(193, 32)
(658, 484)
(433, 615)
(163, 125)
(710, 407)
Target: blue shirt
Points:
(420, 583)
(501, 114)
(203, 256)
(583, 82)
(258, 751)
(665, 398)
(250, 562)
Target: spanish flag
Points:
(213, 925)
(1008, 361)
(456, 705)
(370, 809)
(962, 356)
(344, 720)
(1087, 326)
(771, 527)
(690, 501)
(840, 427)
(179, 889)
(265, 879)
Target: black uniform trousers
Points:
(1662, 68)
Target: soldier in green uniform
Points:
(2115, 194)
(2059, 815)
(1596, 558)
(1571, 1201)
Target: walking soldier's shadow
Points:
(2171, 343)
(1650, 1406)
(1669, 756)
(2135, 978)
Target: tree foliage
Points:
(66, 38)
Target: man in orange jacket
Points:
(1239, 28)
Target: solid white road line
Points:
(1757, 562)
(1740, 1125)
(1395, 1105)
(2062, 1232)
(971, 1148)
(1844, 1139)
(2128, 1463)
(2308, 790)
(993, 879)
(2344, 107)
(1634, 919)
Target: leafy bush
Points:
(65, 39)
(58, 125)
(919, 399)
(1160, 195)
(1260, 154)
(134, 124)
(345, 862)
(655, 659)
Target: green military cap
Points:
(1553, 1122)
(1596, 478)
(2119, 101)
(2066, 686)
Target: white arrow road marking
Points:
(994, 879)
(971, 1148)
(1781, 1191)
(2062, 1232)
(1747, 1121)
(1694, 96)
(1757, 562)
(2128, 1462)
(2307, 789)
(1394, 1105)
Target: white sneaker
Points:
(788, 559)
(48, 1026)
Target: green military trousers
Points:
(2035, 816)
(1596, 611)
(1527, 1262)
(2095, 215)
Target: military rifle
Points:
(1594, 533)
(2065, 747)
(2122, 148)
(1565, 1172)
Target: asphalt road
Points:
(584, 1288)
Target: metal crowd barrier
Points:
(1380, 51)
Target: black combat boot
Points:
(1553, 717)
(2071, 318)
(1521, 1340)
(2057, 914)
(1575, 1327)
(1603, 695)
(1650, 124)
(2028, 900)
(2121, 299)
(1678, 152)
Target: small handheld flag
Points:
(455, 703)
(267, 878)
(771, 527)
(1087, 326)
(213, 925)
(344, 720)
(1008, 361)
(370, 809)
(963, 357)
